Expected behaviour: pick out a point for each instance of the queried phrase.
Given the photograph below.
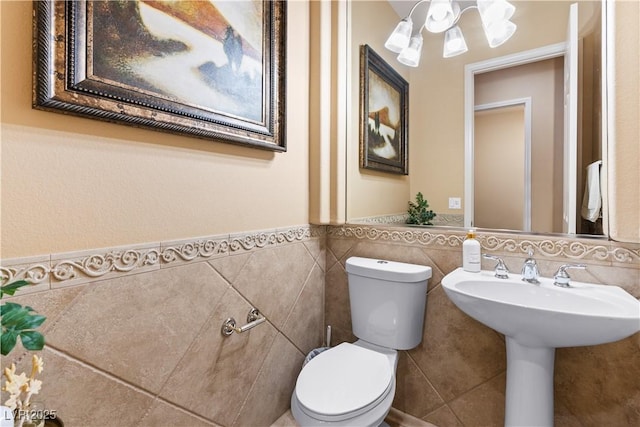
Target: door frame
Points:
(526, 102)
(470, 70)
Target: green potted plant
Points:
(20, 323)
(419, 213)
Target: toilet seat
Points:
(344, 382)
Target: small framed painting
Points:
(209, 69)
(384, 108)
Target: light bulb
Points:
(499, 32)
(441, 15)
(495, 10)
(454, 43)
(399, 38)
(411, 54)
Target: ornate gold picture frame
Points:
(384, 111)
(214, 70)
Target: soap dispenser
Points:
(471, 253)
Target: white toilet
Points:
(354, 384)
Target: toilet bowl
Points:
(347, 385)
(354, 384)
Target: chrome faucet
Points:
(501, 271)
(561, 278)
(530, 272)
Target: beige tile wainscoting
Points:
(456, 377)
(133, 333)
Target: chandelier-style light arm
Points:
(402, 35)
(414, 8)
(443, 16)
(462, 11)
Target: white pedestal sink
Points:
(536, 319)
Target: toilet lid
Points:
(343, 379)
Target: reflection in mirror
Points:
(502, 133)
(537, 166)
(439, 121)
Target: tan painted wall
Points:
(73, 183)
(624, 156)
(61, 174)
(327, 115)
(499, 142)
(370, 192)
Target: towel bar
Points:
(254, 318)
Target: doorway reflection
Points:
(502, 184)
(528, 171)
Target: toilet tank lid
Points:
(387, 270)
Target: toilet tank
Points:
(388, 301)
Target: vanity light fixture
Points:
(443, 15)
(454, 43)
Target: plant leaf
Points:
(30, 321)
(11, 288)
(15, 315)
(418, 213)
(32, 340)
(8, 341)
(7, 307)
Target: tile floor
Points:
(394, 419)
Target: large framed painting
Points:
(384, 108)
(205, 68)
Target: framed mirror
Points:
(440, 126)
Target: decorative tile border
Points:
(403, 235)
(449, 220)
(441, 219)
(32, 270)
(593, 250)
(72, 268)
(189, 250)
(396, 219)
(553, 248)
(623, 254)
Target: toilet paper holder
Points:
(254, 318)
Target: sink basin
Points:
(545, 315)
(535, 319)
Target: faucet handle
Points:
(501, 271)
(561, 278)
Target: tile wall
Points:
(456, 376)
(133, 334)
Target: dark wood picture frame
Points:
(126, 62)
(384, 112)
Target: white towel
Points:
(592, 200)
